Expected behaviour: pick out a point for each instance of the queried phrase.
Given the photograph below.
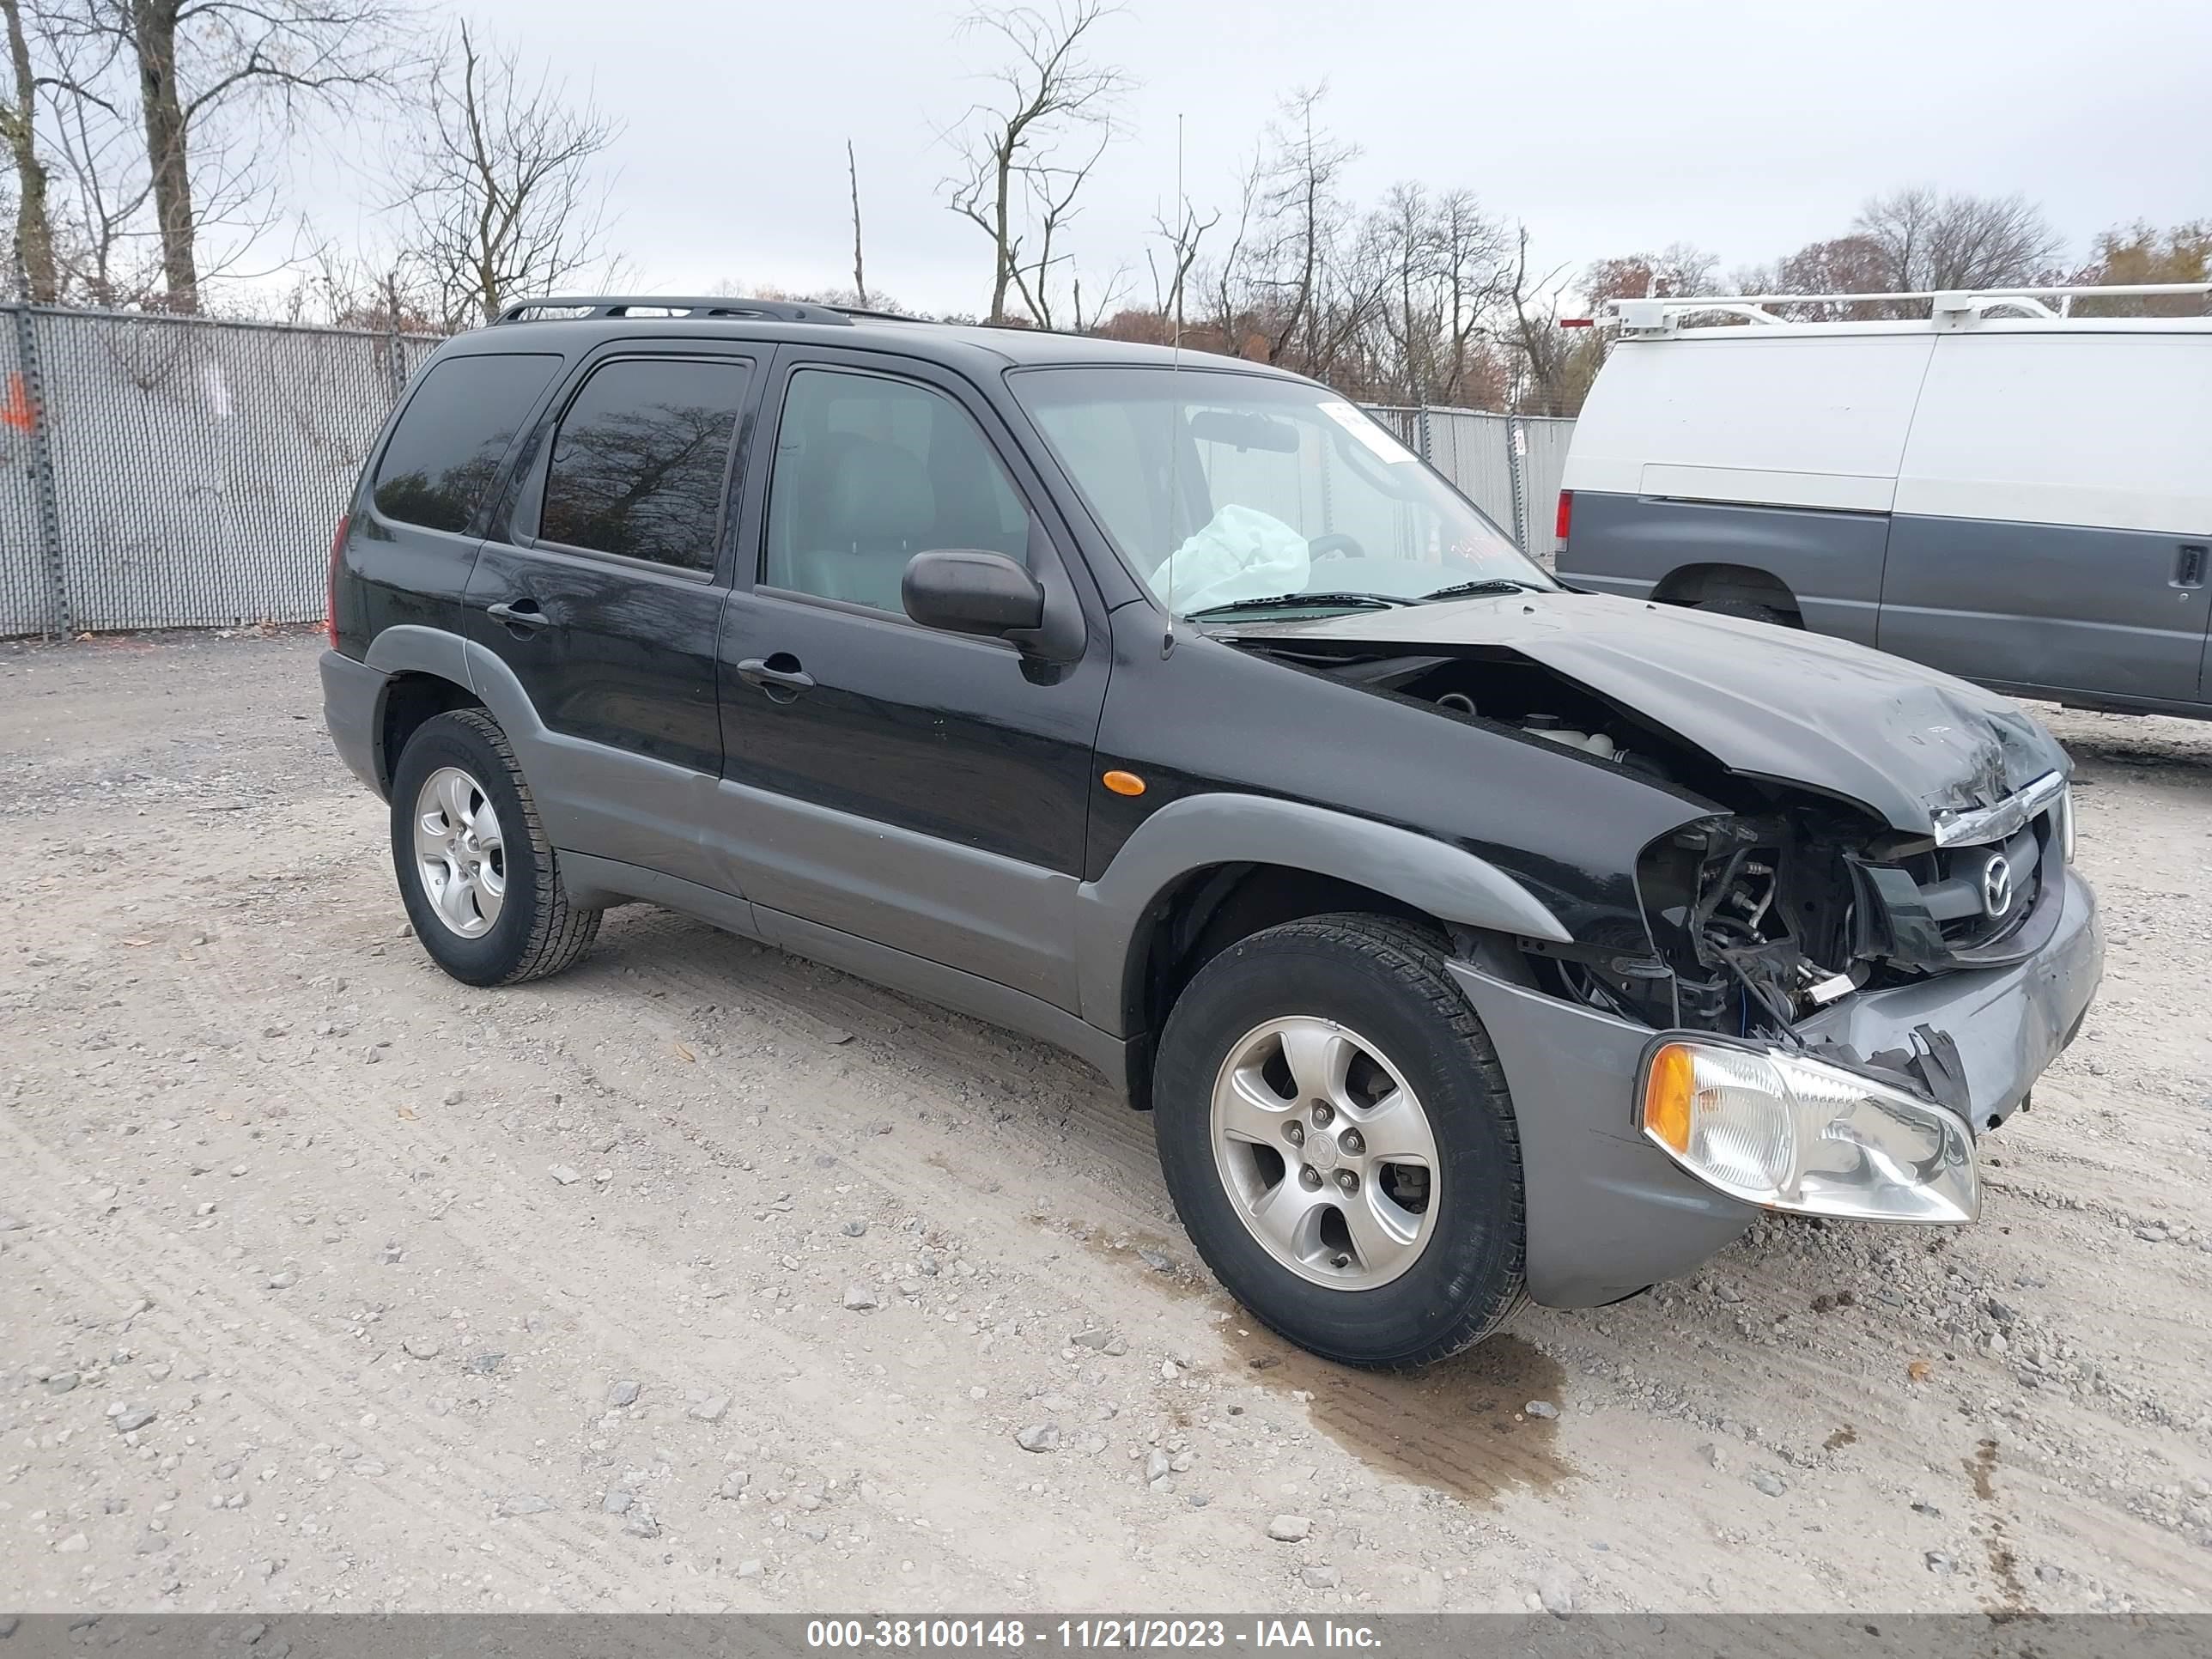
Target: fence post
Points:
(1517, 440)
(34, 381)
(395, 365)
(1428, 449)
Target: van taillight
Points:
(330, 586)
(1564, 518)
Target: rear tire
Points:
(481, 882)
(1411, 1259)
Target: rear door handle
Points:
(780, 675)
(523, 614)
(2189, 564)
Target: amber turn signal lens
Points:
(1668, 1089)
(1123, 783)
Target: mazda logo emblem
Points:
(1997, 885)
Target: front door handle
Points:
(520, 614)
(2189, 564)
(780, 675)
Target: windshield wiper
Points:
(1356, 601)
(1487, 585)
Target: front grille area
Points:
(1961, 907)
(1981, 894)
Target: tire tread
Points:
(560, 933)
(1410, 957)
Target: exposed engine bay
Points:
(1779, 905)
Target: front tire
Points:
(481, 882)
(1335, 1130)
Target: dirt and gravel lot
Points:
(704, 1277)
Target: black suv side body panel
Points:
(928, 792)
(1208, 720)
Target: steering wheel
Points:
(1336, 546)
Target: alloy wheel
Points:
(1326, 1152)
(460, 852)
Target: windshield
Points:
(1241, 490)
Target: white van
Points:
(2000, 490)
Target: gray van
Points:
(2001, 490)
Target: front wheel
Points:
(1335, 1130)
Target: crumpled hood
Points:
(1899, 739)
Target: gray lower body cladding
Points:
(1609, 1213)
(353, 704)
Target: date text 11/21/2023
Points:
(953, 1634)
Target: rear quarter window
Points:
(454, 432)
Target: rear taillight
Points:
(330, 586)
(1565, 517)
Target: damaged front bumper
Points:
(1610, 1214)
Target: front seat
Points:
(878, 510)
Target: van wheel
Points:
(1335, 1130)
(1754, 611)
(481, 882)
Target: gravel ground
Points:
(704, 1277)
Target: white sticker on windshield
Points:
(1367, 432)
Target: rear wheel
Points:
(481, 882)
(1335, 1131)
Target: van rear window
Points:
(453, 435)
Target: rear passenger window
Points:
(639, 464)
(455, 431)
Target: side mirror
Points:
(967, 591)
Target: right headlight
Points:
(1787, 1131)
(2066, 822)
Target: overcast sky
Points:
(1607, 128)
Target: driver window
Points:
(869, 471)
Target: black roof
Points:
(618, 317)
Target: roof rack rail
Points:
(578, 305)
(1947, 307)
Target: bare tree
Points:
(201, 65)
(1227, 284)
(104, 250)
(1469, 251)
(1929, 240)
(1052, 189)
(19, 112)
(860, 273)
(1556, 365)
(1180, 240)
(502, 194)
(1013, 175)
(1301, 201)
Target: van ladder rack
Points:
(1947, 308)
(575, 306)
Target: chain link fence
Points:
(179, 472)
(1509, 466)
